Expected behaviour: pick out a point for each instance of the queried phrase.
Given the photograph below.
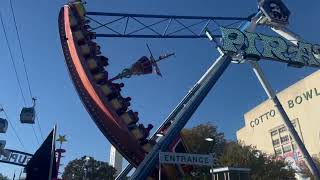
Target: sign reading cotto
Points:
(184, 158)
(254, 46)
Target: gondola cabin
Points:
(27, 115)
(2, 145)
(3, 125)
(4, 152)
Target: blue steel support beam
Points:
(166, 16)
(158, 26)
(155, 36)
(192, 101)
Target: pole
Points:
(212, 173)
(271, 94)
(159, 171)
(194, 98)
(200, 90)
(124, 172)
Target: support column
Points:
(271, 94)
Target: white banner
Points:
(184, 158)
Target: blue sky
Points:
(153, 97)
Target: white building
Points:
(116, 160)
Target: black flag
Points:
(43, 162)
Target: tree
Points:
(307, 173)
(233, 154)
(89, 169)
(195, 141)
(262, 167)
(2, 177)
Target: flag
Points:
(43, 162)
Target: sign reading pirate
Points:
(249, 45)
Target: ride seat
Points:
(116, 103)
(137, 133)
(78, 6)
(90, 48)
(85, 49)
(79, 36)
(103, 61)
(147, 147)
(73, 21)
(107, 89)
(101, 77)
(92, 64)
(120, 103)
(130, 117)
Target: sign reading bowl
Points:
(254, 46)
(184, 158)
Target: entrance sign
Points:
(16, 158)
(249, 45)
(184, 158)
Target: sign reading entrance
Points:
(255, 46)
(184, 158)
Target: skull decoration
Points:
(275, 10)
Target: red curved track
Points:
(96, 103)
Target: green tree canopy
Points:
(307, 173)
(195, 141)
(233, 154)
(89, 169)
(2, 177)
(262, 167)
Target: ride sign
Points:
(184, 158)
(249, 45)
(16, 158)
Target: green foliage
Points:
(2, 177)
(307, 173)
(233, 154)
(195, 142)
(91, 169)
(194, 139)
(262, 167)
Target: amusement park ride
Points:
(111, 112)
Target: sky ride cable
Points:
(35, 134)
(37, 119)
(24, 65)
(20, 47)
(14, 65)
(11, 57)
(14, 130)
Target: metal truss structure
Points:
(157, 26)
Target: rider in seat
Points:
(101, 78)
(130, 117)
(146, 131)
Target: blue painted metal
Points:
(192, 100)
(154, 36)
(165, 16)
(185, 110)
(181, 29)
